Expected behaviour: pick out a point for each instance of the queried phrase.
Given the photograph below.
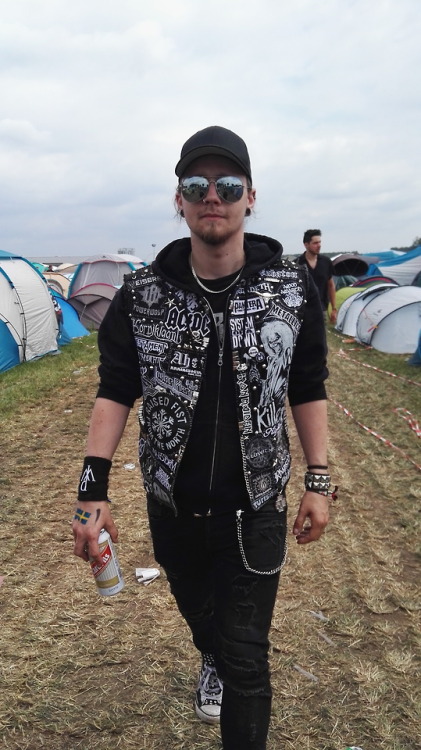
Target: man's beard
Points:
(213, 236)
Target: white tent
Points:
(391, 321)
(351, 307)
(28, 322)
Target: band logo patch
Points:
(87, 476)
(264, 487)
(260, 453)
(151, 295)
(167, 421)
(292, 295)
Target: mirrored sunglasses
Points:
(195, 189)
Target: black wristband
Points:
(93, 482)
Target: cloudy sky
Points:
(98, 97)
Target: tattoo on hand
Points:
(82, 516)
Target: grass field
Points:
(78, 671)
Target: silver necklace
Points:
(214, 291)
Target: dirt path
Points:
(79, 671)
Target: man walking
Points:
(214, 336)
(321, 270)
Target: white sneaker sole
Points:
(207, 718)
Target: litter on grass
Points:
(305, 673)
(319, 615)
(325, 637)
(146, 575)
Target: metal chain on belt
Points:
(243, 554)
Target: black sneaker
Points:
(209, 694)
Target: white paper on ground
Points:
(146, 575)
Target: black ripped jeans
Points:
(227, 606)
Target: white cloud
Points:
(97, 100)
(21, 133)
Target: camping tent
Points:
(391, 321)
(343, 293)
(103, 269)
(403, 268)
(354, 305)
(28, 322)
(416, 357)
(366, 281)
(70, 325)
(92, 302)
(342, 282)
(349, 264)
(57, 282)
(383, 256)
(67, 269)
(95, 283)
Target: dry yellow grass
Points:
(80, 671)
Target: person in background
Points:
(59, 313)
(321, 270)
(215, 335)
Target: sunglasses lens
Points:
(194, 189)
(229, 189)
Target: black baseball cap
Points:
(217, 141)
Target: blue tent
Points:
(416, 357)
(70, 326)
(403, 268)
(383, 256)
(9, 350)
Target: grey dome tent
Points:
(91, 302)
(352, 307)
(103, 269)
(391, 321)
(95, 282)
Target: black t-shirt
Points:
(321, 273)
(213, 449)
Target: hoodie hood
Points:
(172, 263)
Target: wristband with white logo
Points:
(93, 482)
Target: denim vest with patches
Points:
(171, 327)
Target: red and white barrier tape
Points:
(343, 354)
(375, 434)
(408, 417)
